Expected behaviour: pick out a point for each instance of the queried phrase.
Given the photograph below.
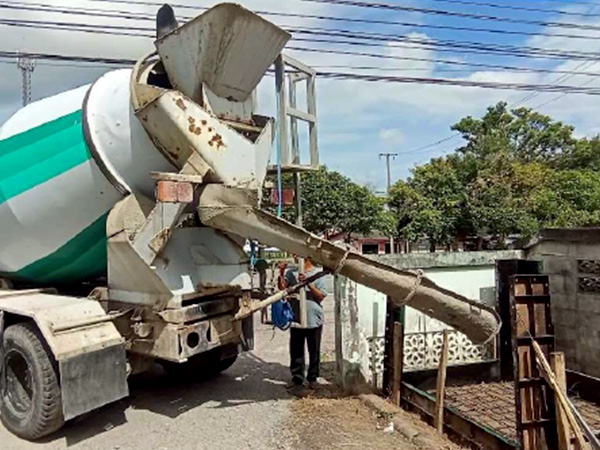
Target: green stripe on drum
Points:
(37, 155)
(84, 257)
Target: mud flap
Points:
(91, 380)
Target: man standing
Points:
(311, 335)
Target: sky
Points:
(358, 120)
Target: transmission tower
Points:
(26, 66)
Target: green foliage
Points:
(430, 203)
(519, 171)
(332, 203)
(523, 133)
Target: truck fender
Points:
(88, 349)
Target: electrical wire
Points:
(354, 76)
(345, 75)
(552, 100)
(430, 60)
(535, 94)
(462, 15)
(363, 21)
(116, 30)
(471, 47)
(518, 8)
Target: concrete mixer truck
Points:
(124, 208)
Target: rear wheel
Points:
(30, 400)
(200, 366)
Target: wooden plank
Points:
(557, 361)
(398, 346)
(441, 385)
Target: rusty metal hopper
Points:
(228, 48)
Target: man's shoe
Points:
(298, 391)
(295, 382)
(313, 385)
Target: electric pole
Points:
(387, 157)
(26, 66)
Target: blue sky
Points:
(358, 120)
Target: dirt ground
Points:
(342, 423)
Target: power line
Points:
(94, 28)
(552, 100)
(443, 45)
(431, 60)
(433, 144)
(363, 21)
(463, 15)
(449, 47)
(90, 29)
(528, 96)
(70, 58)
(558, 80)
(346, 76)
(519, 8)
(573, 2)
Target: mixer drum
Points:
(64, 163)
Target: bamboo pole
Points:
(243, 313)
(563, 402)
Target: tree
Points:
(585, 154)
(526, 134)
(567, 198)
(497, 199)
(518, 171)
(332, 203)
(430, 204)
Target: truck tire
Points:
(199, 367)
(30, 397)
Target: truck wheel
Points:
(225, 364)
(30, 398)
(199, 367)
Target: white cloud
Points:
(392, 136)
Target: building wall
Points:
(573, 263)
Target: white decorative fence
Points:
(422, 351)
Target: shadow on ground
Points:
(249, 380)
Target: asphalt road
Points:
(246, 407)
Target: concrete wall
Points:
(572, 260)
(362, 337)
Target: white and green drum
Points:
(64, 162)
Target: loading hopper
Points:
(228, 48)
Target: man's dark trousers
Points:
(312, 337)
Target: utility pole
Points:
(387, 157)
(26, 65)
